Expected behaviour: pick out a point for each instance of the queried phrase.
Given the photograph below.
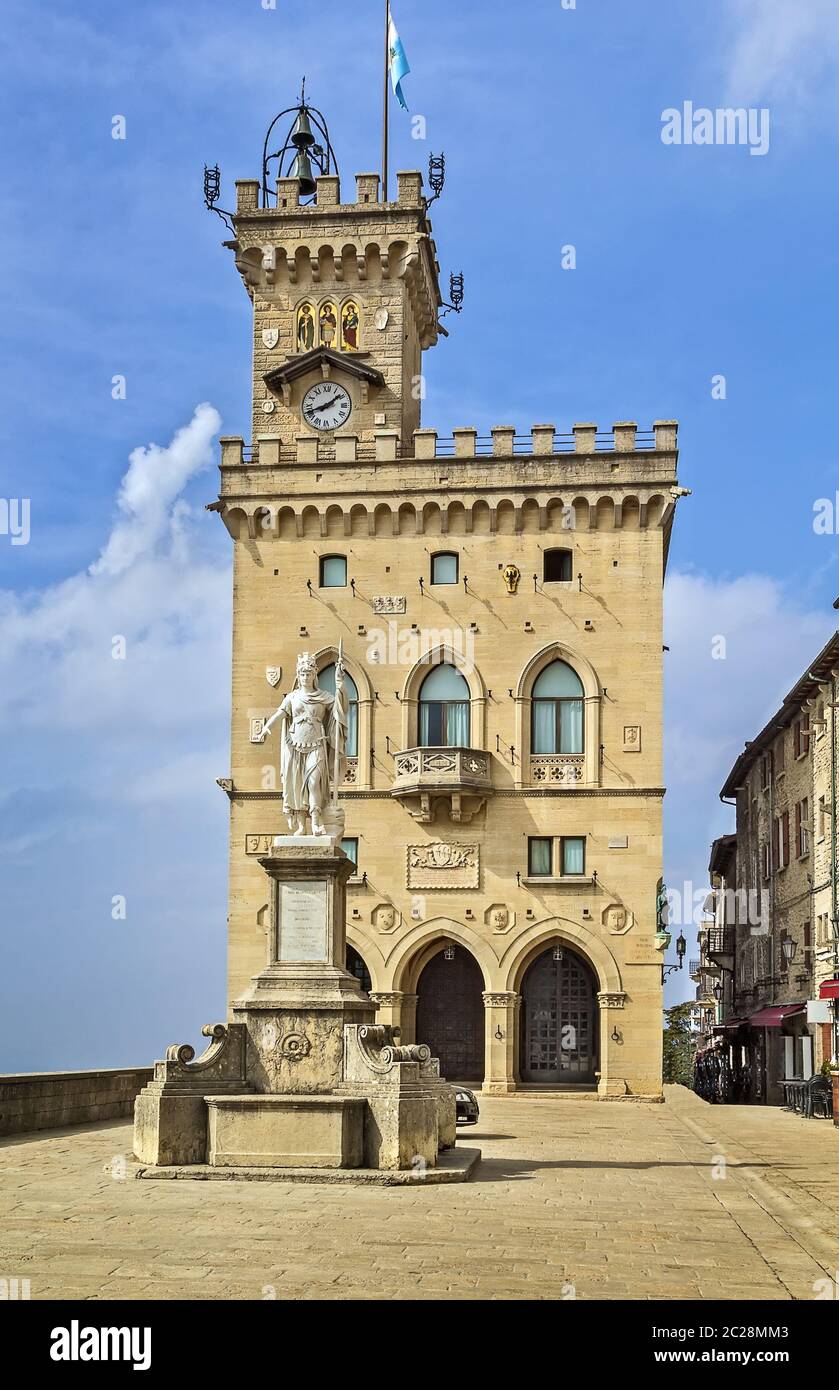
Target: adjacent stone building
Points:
(775, 940)
(498, 603)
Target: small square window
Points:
(350, 847)
(333, 571)
(539, 849)
(557, 566)
(573, 854)
(444, 569)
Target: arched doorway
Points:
(357, 967)
(560, 1020)
(450, 1013)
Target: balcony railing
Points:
(461, 768)
(557, 769)
(721, 941)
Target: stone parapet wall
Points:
(50, 1099)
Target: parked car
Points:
(467, 1107)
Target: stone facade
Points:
(781, 882)
(443, 832)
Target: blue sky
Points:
(691, 262)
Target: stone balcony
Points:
(557, 769)
(460, 776)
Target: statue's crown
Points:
(306, 662)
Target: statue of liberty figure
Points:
(313, 736)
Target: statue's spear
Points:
(339, 667)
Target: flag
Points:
(399, 66)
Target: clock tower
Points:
(495, 600)
(345, 299)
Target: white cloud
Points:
(781, 49)
(714, 705)
(160, 584)
(155, 478)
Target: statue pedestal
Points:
(295, 1009)
(302, 1078)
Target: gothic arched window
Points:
(326, 681)
(444, 709)
(557, 714)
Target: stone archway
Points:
(450, 1012)
(559, 1020)
(357, 965)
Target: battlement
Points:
(503, 442)
(328, 196)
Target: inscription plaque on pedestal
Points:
(301, 922)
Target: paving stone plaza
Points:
(573, 1200)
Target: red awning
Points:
(774, 1016)
(829, 989)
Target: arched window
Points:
(305, 328)
(444, 709)
(444, 567)
(557, 566)
(557, 720)
(326, 681)
(333, 572)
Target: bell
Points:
(301, 170)
(302, 133)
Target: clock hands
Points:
(326, 404)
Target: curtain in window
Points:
(544, 726)
(444, 724)
(444, 709)
(430, 725)
(540, 857)
(573, 856)
(570, 726)
(457, 725)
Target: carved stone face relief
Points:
(385, 918)
(617, 919)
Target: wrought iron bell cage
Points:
(306, 151)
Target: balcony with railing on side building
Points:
(721, 941)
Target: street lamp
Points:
(718, 991)
(681, 947)
(789, 948)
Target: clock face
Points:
(326, 406)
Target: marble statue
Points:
(313, 737)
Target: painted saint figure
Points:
(349, 326)
(313, 734)
(305, 329)
(328, 325)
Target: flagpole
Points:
(384, 106)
